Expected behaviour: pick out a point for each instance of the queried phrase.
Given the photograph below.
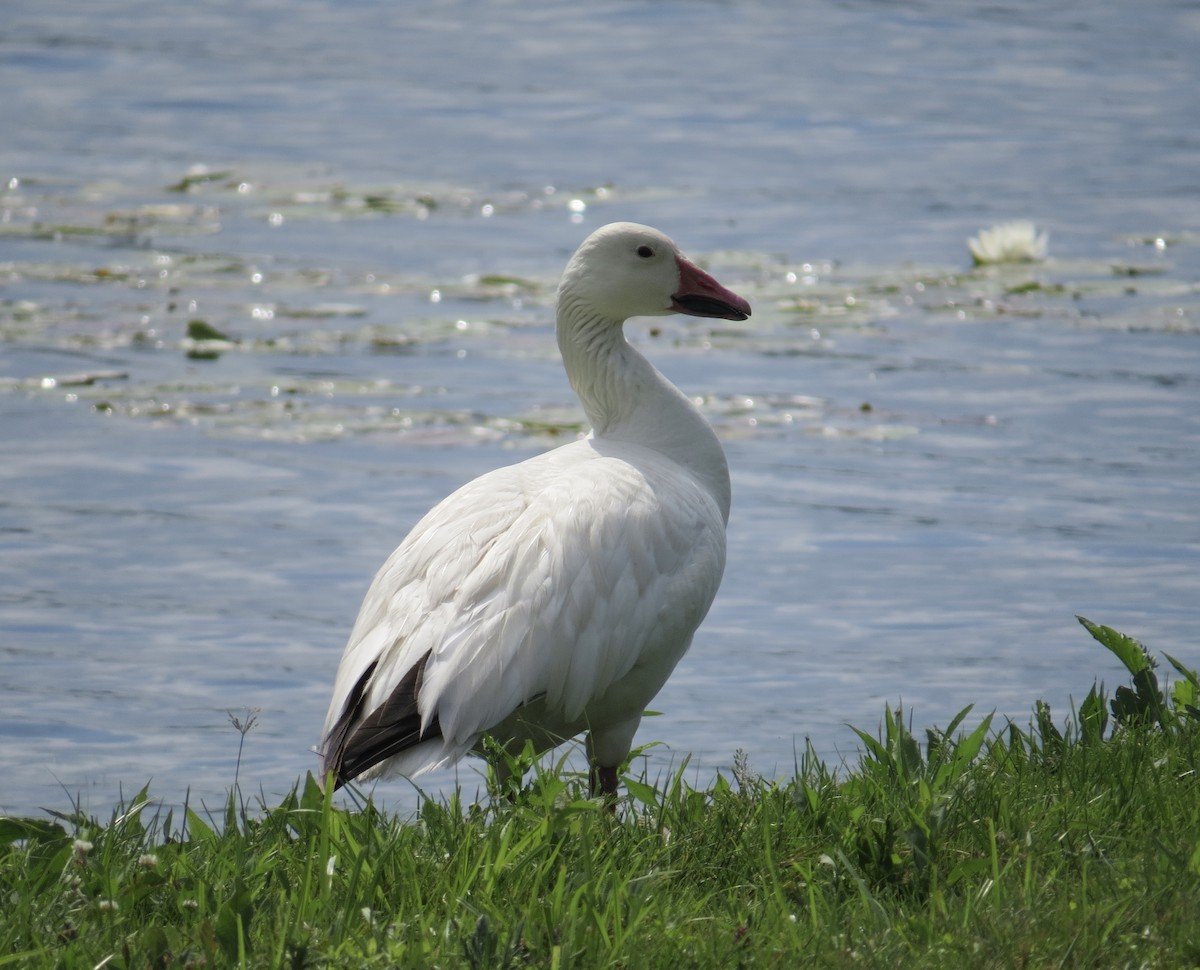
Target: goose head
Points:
(625, 270)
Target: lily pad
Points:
(202, 330)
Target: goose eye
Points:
(645, 252)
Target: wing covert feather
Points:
(547, 580)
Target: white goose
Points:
(554, 596)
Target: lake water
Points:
(934, 468)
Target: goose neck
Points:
(600, 365)
(626, 399)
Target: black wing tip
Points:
(357, 743)
(331, 776)
(333, 747)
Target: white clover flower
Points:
(147, 860)
(1009, 242)
(109, 904)
(82, 846)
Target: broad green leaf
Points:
(1189, 676)
(641, 792)
(198, 829)
(1128, 650)
(968, 747)
(1093, 716)
(16, 829)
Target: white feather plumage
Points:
(556, 595)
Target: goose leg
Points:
(604, 783)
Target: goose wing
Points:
(550, 580)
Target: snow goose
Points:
(554, 596)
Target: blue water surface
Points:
(934, 471)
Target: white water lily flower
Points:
(1009, 242)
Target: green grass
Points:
(1073, 844)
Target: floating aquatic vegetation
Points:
(1009, 242)
(205, 342)
(199, 175)
(203, 330)
(1128, 269)
(103, 289)
(308, 409)
(320, 311)
(1161, 241)
(743, 416)
(51, 382)
(276, 189)
(55, 224)
(507, 283)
